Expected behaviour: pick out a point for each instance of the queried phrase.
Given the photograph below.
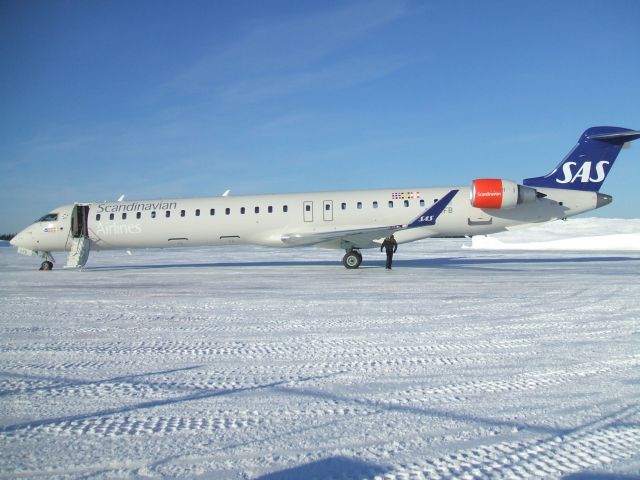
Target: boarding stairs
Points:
(79, 252)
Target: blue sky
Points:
(176, 99)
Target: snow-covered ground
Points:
(580, 234)
(243, 362)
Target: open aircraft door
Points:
(79, 221)
(79, 227)
(78, 242)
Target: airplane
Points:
(347, 220)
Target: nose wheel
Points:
(46, 265)
(352, 259)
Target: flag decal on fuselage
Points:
(405, 195)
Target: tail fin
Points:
(587, 165)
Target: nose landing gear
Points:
(47, 263)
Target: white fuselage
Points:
(270, 220)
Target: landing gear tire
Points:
(46, 265)
(352, 259)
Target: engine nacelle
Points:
(498, 193)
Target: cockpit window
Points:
(49, 217)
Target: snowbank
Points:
(583, 234)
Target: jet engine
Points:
(498, 193)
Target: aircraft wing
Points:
(356, 236)
(361, 237)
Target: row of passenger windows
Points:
(285, 209)
(183, 213)
(375, 204)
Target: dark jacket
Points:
(390, 245)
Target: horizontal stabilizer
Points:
(619, 137)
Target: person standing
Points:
(390, 245)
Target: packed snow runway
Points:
(245, 362)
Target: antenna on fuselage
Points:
(226, 193)
(121, 198)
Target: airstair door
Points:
(80, 243)
(307, 211)
(79, 220)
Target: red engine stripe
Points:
(487, 193)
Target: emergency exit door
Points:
(327, 210)
(307, 211)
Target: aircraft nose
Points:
(19, 240)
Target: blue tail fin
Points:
(587, 165)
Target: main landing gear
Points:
(352, 259)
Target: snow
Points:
(242, 362)
(584, 234)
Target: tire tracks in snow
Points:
(586, 448)
(313, 346)
(518, 383)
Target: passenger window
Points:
(390, 203)
(167, 213)
(182, 213)
(406, 203)
(112, 216)
(212, 212)
(242, 210)
(270, 209)
(124, 216)
(97, 217)
(375, 204)
(153, 214)
(139, 215)
(285, 209)
(343, 206)
(197, 212)
(359, 205)
(227, 211)
(422, 202)
(257, 209)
